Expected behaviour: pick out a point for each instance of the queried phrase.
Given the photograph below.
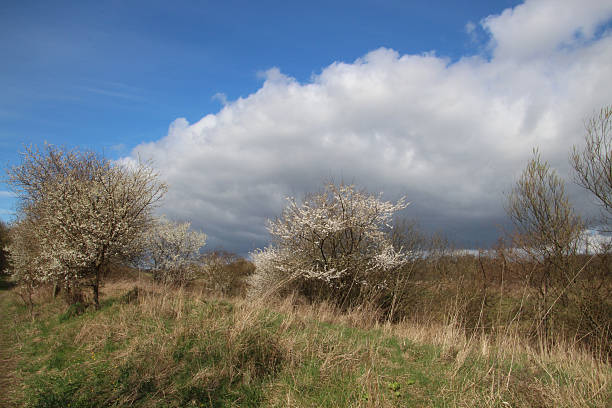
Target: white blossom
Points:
(171, 250)
(334, 239)
(83, 212)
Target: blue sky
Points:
(109, 75)
(113, 76)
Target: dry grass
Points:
(177, 347)
(567, 375)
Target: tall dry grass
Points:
(182, 347)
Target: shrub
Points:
(226, 272)
(172, 251)
(4, 242)
(333, 246)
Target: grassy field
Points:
(171, 348)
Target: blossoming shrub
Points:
(4, 241)
(23, 251)
(334, 246)
(172, 251)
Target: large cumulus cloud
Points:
(452, 136)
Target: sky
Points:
(240, 104)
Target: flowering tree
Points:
(83, 211)
(171, 251)
(334, 245)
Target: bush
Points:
(226, 272)
(333, 246)
(172, 251)
(4, 242)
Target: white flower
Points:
(332, 237)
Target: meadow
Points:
(465, 341)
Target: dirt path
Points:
(8, 360)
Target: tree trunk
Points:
(96, 287)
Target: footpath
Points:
(8, 360)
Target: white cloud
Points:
(452, 136)
(539, 26)
(470, 27)
(221, 97)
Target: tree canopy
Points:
(83, 210)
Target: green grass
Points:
(177, 350)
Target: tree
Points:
(4, 242)
(171, 251)
(593, 164)
(541, 211)
(406, 236)
(548, 230)
(84, 212)
(593, 171)
(333, 245)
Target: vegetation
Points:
(4, 241)
(349, 306)
(175, 347)
(171, 251)
(331, 247)
(593, 163)
(225, 273)
(83, 213)
(548, 232)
